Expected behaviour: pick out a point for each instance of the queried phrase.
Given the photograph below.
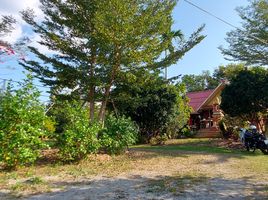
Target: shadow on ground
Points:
(196, 147)
(159, 187)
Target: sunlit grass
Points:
(187, 159)
(203, 145)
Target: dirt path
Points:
(183, 169)
(136, 187)
(201, 177)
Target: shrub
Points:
(158, 140)
(156, 105)
(227, 126)
(57, 111)
(118, 134)
(79, 137)
(187, 132)
(22, 119)
(223, 129)
(49, 125)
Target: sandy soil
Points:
(153, 175)
(135, 187)
(201, 177)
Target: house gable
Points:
(214, 98)
(196, 99)
(201, 99)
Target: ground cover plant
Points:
(180, 169)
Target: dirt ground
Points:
(168, 175)
(136, 187)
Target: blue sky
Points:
(205, 56)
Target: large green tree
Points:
(151, 101)
(93, 41)
(247, 94)
(250, 43)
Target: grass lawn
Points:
(175, 168)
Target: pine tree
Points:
(250, 43)
(93, 41)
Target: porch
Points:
(205, 123)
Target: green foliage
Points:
(94, 41)
(229, 126)
(57, 111)
(118, 134)
(49, 125)
(22, 119)
(158, 140)
(181, 113)
(250, 44)
(150, 101)
(78, 136)
(206, 80)
(187, 132)
(247, 95)
(228, 72)
(223, 128)
(200, 82)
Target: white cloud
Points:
(34, 42)
(14, 35)
(13, 7)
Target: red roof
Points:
(198, 98)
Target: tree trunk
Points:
(92, 87)
(104, 103)
(108, 88)
(91, 103)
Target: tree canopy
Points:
(93, 41)
(200, 82)
(247, 94)
(249, 44)
(207, 80)
(151, 101)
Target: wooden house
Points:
(206, 112)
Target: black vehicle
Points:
(253, 140)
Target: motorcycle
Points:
(254, 140)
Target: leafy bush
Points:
(228, 126)
(187, 132)
(159, 140)
(22, 119)
(223, 129)
(57, 111)
(79, 137)
(118, 134)
(49, 125)
(154, 104)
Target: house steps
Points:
(207, 133)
